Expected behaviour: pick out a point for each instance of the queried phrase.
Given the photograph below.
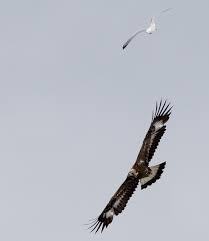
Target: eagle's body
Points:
(140, 171)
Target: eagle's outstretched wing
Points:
(116, 204)
(155, 132)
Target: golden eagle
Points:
(140, 172)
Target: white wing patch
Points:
(110, 213)
(158, 124)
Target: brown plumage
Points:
(140, 172)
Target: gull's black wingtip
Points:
(124, 46)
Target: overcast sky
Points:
(75, 107)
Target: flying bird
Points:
(149, 30)
(140, 171)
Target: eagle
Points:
(140, 171)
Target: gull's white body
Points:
(152, 26)
(149, 30)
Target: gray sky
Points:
(75, 108)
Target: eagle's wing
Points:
(130, 39)
(155, 132)
(116, 204)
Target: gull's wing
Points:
(116, 204)
(162, 12)
(130, 39)
(165, 10)
(155, 132)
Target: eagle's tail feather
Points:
(155, 174)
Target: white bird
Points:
(150, 29)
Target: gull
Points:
(149, 30)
